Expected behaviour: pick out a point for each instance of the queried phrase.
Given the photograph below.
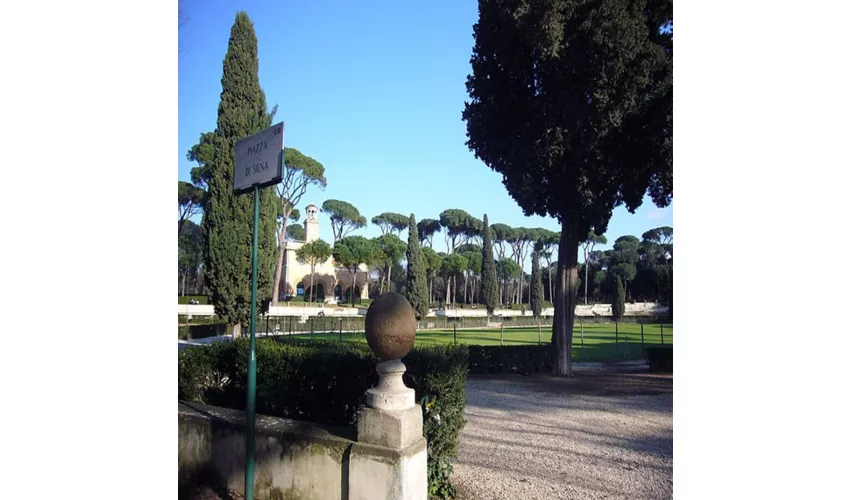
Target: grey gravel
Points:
(598, 435)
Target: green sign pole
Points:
(252, 360)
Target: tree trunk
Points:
(312, 284)
(565, 295)
(431, 292)
(549, 270)
(281, 251)
(237, 330)
(465, 286)
(586, 268)
(185, 273)
(389, 277)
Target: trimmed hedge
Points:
(202, 331)
(660, 359)
(511, 359)
(326, 383)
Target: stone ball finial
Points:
(390, 326)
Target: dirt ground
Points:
(597, 435)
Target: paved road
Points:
(599, 435)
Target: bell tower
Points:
(311, 225)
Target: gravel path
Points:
(598, 435)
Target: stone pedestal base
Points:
(379, 473)
(391, 429)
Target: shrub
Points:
(660, 359)
(326, 383)
(204, 330)
(511, 359)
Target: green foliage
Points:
(507, 269)
(326, 383)
(426, 229)
(296, 232)
(228, 217)
(203, 154)
(390, 221)
(489, 280)
(536, 292)
(618, 307)
(352, 251)
(624, 271)
(314, 253)
(454, 264)
(460, 226)
(510, 359)
(433, 261)
(391, 249)
(473, 261)
(416, 289)
(344, 217)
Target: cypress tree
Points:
(618, 307)
(489, 284)
(228, 217)
(536, 292)
(416, 289)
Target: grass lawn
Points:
(601, 343)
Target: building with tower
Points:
(331, 283)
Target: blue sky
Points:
(373, 90)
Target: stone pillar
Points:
(389, 460)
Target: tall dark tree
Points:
(416, 290)
(536, 292)
(572, 102)
(618, 307)
(229, 217)
(489, 280)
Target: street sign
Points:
(257, 162)
(258, 159)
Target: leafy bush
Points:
(326, 383)
(203, 330)
(660, 359)
(511, 359)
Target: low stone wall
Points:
(292, 459)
